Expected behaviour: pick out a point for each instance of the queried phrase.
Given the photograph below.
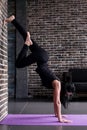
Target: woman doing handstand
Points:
(39, 55)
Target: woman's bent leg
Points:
(22, 62)
(23, 59)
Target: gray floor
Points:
(44, 108)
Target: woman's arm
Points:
(57, 104)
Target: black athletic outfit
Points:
(38, 55)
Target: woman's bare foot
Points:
(10, 19)
(28, 41)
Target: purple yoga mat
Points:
(43, 119)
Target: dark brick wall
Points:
(3, 61)
(59, 26)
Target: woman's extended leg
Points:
(17, 25)
(23, 32)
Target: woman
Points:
(39, 55)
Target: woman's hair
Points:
(67, 87)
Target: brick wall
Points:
(3, 61)
(59, 26)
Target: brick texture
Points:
(59, 26)
(3, 61)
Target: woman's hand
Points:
(65, 121)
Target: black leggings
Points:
(37, 54)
